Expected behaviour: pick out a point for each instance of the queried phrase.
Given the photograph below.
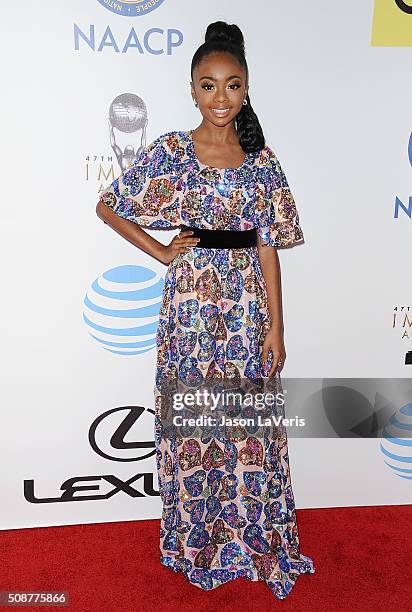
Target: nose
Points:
(221, 95)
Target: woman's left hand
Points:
(274, 342)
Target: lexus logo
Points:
(119, 434)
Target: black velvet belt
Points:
(223, 239)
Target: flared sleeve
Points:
(278, 223)
(149, 192)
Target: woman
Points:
(228, 506)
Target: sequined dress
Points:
(228, 505)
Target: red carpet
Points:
(362, 555)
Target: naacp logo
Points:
(399, 205)
(131, 8)
(410, 149)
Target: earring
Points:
(244, 102)
(196, 104)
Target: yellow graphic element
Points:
(392, 23)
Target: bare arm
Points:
(269, 262)
(133, 233)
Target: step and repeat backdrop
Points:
(86, 85)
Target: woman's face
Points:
(219, 87)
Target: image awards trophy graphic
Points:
(128, 114)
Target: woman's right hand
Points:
(180, 244)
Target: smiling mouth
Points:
(220, 111)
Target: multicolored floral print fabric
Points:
(228, 505)
(167, 186)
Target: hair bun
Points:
(220, 31)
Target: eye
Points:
(210, 86)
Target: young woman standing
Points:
(228, 505)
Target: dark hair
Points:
(228, 38)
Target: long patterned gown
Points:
(228, 504)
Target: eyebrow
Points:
(234, 76)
